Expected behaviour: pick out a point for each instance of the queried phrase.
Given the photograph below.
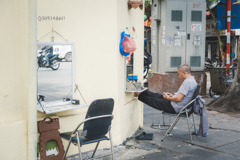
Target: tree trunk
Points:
(230, 100)
(218, 33)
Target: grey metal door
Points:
(175, 43)
(196, 30)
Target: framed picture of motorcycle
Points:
(55, 77)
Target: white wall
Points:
(16, 79)
(95, 28)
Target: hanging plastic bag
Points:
(128, 44)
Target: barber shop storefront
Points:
(85, 66)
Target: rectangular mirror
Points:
(129, 64)
(55, 74)
(133, 84)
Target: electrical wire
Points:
(82, 96)
(41, 105)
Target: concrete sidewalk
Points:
(222, 142)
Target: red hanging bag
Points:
(128, 44)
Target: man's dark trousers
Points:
(156, 101)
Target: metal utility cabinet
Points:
(178, 34)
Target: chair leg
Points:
(79, 147)
(170, 128)
(173, 125)
(163, 120)
(189, 128)
(65, 154)
(110, 135)
(194, 125)
(169, 120)
(154, 126)
(95, 149)
(164, 125)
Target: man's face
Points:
(181, 74)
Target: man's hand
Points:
(168, 94)
(165, 96)
(170, 97)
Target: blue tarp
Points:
(222, 12)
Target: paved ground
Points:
(55, 85)
(222, 142)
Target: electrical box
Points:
(181, 38)
(156, 14)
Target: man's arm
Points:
(43, 48)
(178, 98)
(47, 48)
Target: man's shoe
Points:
(47, 65)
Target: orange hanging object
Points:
(146, 23)
(129, 57)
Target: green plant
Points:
(221, 32)
(148, 3)
(222, 44)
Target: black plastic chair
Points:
(185, 112)
(97, 124)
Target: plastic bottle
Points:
(127, 31)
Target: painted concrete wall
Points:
(95, 28)
(16, 79)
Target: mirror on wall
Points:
(133, 83)
(54, 72)
(55, 76)
(129, 64)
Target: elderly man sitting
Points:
(172, 103)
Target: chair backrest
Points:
(98, 127)
(195, 94)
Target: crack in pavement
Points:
(223, 129)
(227, 144)
(207, 148)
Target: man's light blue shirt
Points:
(187, 88)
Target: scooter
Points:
(214, 62)
(146, 70)
(234, 63)
(54, 61)
(147, 67)
(207, 64)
